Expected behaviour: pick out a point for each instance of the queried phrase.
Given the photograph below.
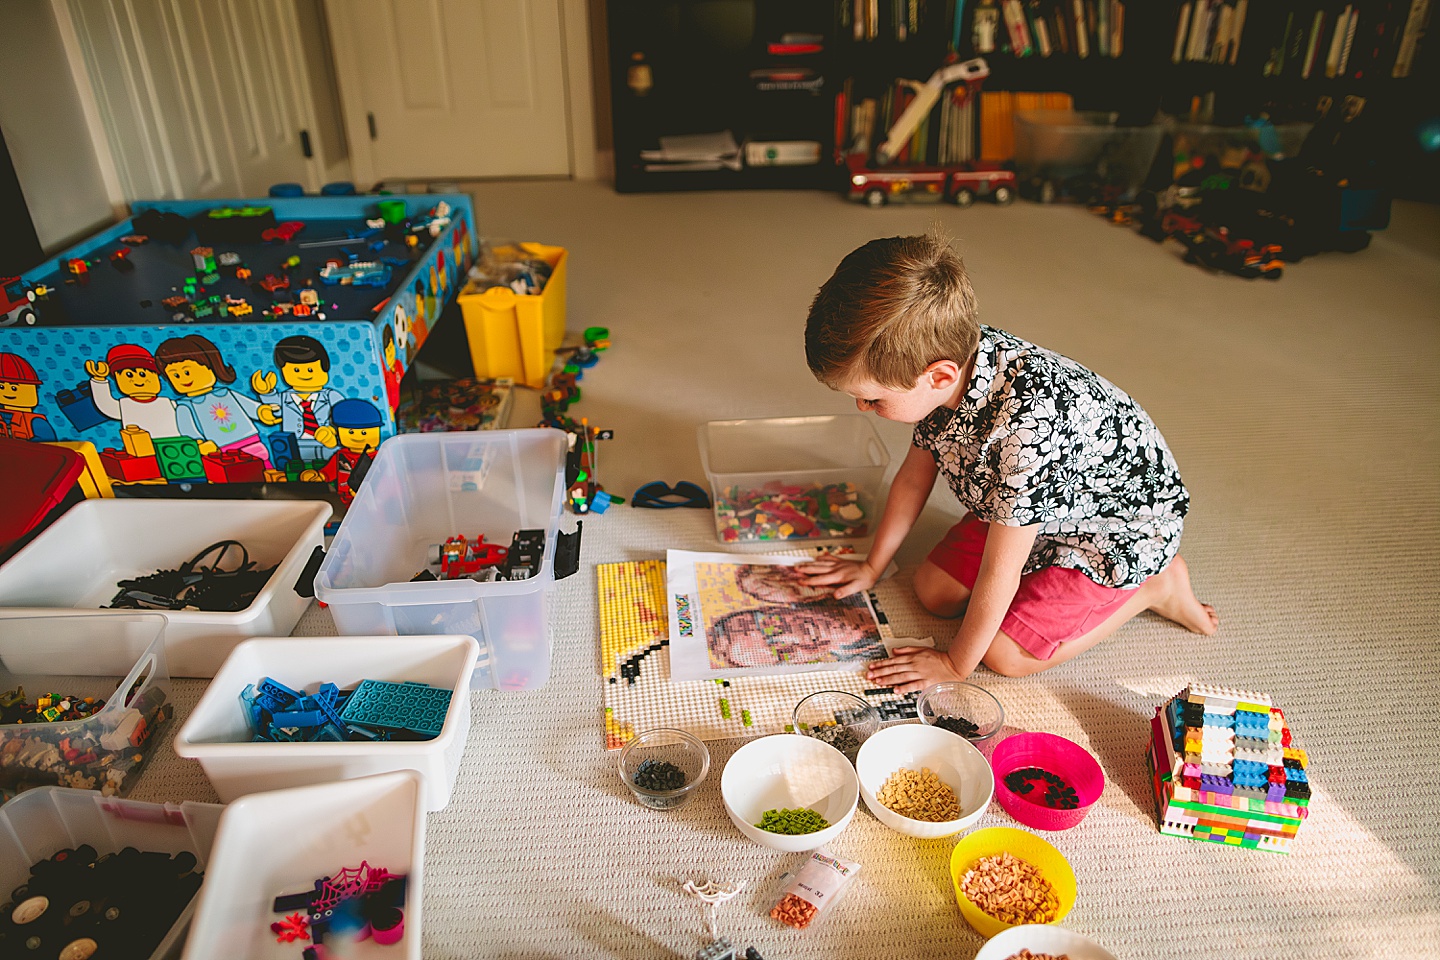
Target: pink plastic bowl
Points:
(1057, 755)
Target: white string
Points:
(711, 894)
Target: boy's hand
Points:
(912, 669)
(848, 576)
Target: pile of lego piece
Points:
(374, 710)
(1224, 769)
(47, 708)
(783, 511)
(79, 904)
(358, 903)
(84, 746)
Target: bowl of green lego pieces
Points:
(789, 792)
(840, 719)
(663, 767)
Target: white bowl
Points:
(1042, 938)
(788, 771)
(912, 746)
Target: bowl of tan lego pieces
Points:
(923, 781)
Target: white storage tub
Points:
(281, 842)
(423, 489)
(120, 660)
(218, 734)
(73, 567)
(40, 823)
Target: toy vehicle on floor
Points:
(15, 303)
(960, 185)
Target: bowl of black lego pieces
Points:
(840, 719)
(663, 767)
(965, 709)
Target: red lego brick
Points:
(235, 466)
(129, 469)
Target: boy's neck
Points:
(963, 384)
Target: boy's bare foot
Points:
(1176, 600)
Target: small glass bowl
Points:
(840, 719)
(664, 745)
(963, 708)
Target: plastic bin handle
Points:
(877, 450)
(305, 583)
(567, 552)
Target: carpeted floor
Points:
(1304, 417)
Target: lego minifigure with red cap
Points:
(137, 377)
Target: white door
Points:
(199, 98)
(452, 88)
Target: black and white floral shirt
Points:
(1039, 439)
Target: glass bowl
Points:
(962, 708)
(662, 767)
(840, 719)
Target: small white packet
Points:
(819, 882)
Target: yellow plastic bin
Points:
(516, 336)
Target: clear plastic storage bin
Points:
(218, 733)
(423, 489)
(281, 842)
(40, 823)
(120, 660)
(74, 567)
(1070, 152)
(794, 478)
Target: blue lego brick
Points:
(1248, 774)
(1296, 775)
(274, 695)
(398, 706)
(1219, 720)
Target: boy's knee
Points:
(1006, 659)
(939, 593)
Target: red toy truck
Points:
(960, 184)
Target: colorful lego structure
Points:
(1224, 769)
(461, 557)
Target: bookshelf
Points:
(785, 71)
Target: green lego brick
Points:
(179, 458)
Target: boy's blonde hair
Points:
(892, 308)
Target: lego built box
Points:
(231, 341)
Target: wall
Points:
(44, 123)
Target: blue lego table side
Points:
(398, 706)
(363, 360)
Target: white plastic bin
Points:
(423, 489)
(73, 567)
(1071, 151)
(120, 660)
(793, 459)
(40, 823)
(281, 842)
(218, 734)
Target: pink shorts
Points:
(1052, 605)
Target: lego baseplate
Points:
(398, 706)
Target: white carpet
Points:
(1304, 417)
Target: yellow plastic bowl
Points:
(996, 840)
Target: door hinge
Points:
(370, 119)
(305, 144)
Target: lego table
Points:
(226, 341)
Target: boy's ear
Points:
(942, 374)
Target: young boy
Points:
(1075, 502)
